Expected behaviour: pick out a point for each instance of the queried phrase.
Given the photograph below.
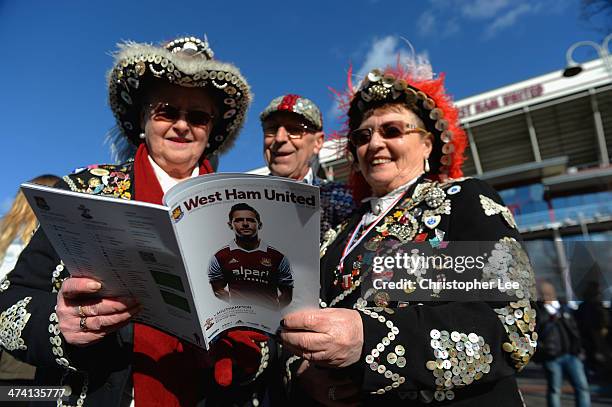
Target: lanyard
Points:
(351, 244)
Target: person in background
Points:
(18, 226)
(293, 137)
(559, 348)
(593, 320)
(16, 230)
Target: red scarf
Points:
(167, 372)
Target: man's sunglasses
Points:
(294, 131)
(168, 113)
(363, 136)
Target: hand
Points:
(83, 319)
(331, 337)
(237, 347)
(324, 386)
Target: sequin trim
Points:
(460, 359)
(56, 280)
(345, 293)
(491, 208)
(403, 224)
(518, 319)
(508, 262)
(329, 237)
(400, 224)
(71, 183)
(5, 283)
(288, 363)
(84, 388)
(374, 358)
(12, 323)
(56, 343)
(443, 209)
(106, 179)
(263, 362)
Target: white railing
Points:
(587, 213)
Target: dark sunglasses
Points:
(363, 136)
(168, 113)
(294, 131)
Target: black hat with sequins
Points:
(184, 62)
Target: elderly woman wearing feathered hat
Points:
(175, 106)
(412, 342)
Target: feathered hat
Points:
(406, 84)
(184, 62)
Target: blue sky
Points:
(53, 104)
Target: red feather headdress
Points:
(398, 85)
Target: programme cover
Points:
(196, 271)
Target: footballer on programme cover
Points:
(247, 270)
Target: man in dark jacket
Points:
(558, 348)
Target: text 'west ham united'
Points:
(235, 194)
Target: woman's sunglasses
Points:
(363, 136)
(168, 113)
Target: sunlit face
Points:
(387, 164)
(244, 223)
(547, 292)
(177, 145)
(286, 156)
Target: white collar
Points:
(309, 177)
(166, 181)
(262, 247)
(553, 307)
(382, 204)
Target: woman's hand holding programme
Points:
(85, 319)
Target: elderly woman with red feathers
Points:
(369, 346)
(175, 106)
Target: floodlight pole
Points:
(574, 68)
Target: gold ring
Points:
(81, 312)
(83, 324)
